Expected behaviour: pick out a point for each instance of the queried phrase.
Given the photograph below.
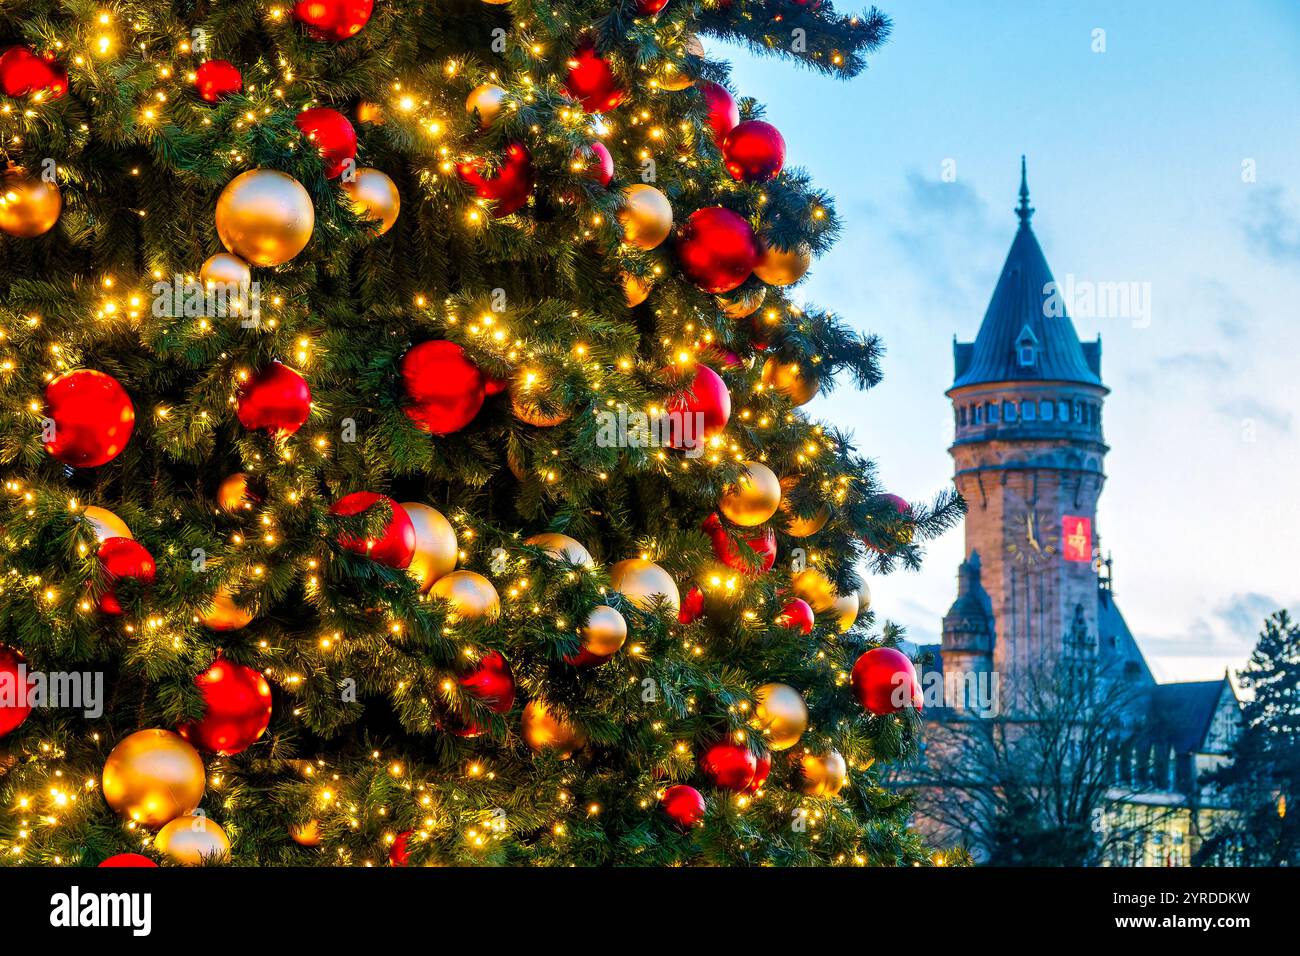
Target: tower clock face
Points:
(1033, 537)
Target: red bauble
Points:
(597, 162)
(14, 706)
(395, 547)
(333, 19)
(762, 767)
(717, 249)
(23, 73)
(584, 658)
(723, 112)
(730, 766)
(753, 152)
(331, 133)
(509, 187)
(238, 709)
(592, 82)
(493, 683)
(708, 399)
(127, 860)
(122, 558)
(444, 389)
(900, 503)
(93, 418)
(798, 615)
(884, 681)
(398, 854)
(692, 608)
(648, 8)
(764, 547)
(276, 400)
(684, 805)
(494, 386)
(217, 78)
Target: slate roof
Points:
(1185, 711)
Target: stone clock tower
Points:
(1028, 458)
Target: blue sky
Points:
(1136, 159)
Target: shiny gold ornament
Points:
(825, 775)
(529, 412)
(674, 79)
(488, 99)
(777, 267)
(371, 113)
(845, 608)
(374, 196)
(781, 714)
(795, 526)
(544, 731)
(634, 290)
(226, 270)
(29, 206)
(193, 840)
(647, 216)
(643, 582)
(744, 306)
(233, 495)
(864, 597)
(306, 834)
(562, 548)
(265, 217)
(105, 523)
(815, 588)
(153, 776)
(470, 595)
(788, 379)
(436, 549)
(224, 614)
(604, 631)
(754, 498)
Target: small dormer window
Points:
(1027, 348)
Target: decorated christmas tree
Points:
(402, 448)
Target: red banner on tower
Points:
(1076, 535)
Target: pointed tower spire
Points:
(1024, 211)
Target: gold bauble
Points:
(193, 840)
(788, 379)
(371, 113)
(436, 549)
(604, 631)
(470, 595)
(647, 216)
(795, 526)
(815, 588)
(643, 583)
(634, 290)
(224, 614)
(488, 99)
(265, 217)
(544, 731)
(744, 306)
(754, 498)
(562, 548)
(306, 834)
(530, 413)
(781, 714)
(845, 608)
(823, 775)
(29, 206)
(153, 776)
(374, 196)
(864, 597)
(233, 496)
(105, 523)
(226, 270)
(777, 267)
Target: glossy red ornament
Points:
(884, 681)
(395, 547)
(127, 860)
(444, 389)
(276, 399)
(237, 711)
(398, 854)
(217, 78)
(707, 398)
(900, 503)
(333, 19)
(591, 82)
(723, 112)
(597, 162)
(93, 418)
(904, 534)
(717, 249)
(692, 608)
(684, 805)
(331, 133)
(509, 187)
(23, 73)
(730, 766)
(797, 615)
(493, 683)
(14, 706)
(753, 151)
(648, 8)
(762, 767)
(725, 550)
(122, 558)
